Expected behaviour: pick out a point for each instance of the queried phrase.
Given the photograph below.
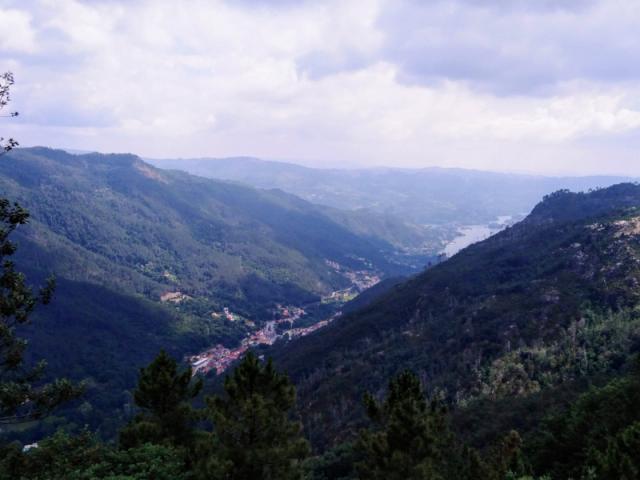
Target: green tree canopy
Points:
(254, 436)
(410, 439)
(84, 457)
(164, 396)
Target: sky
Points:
(537, 86)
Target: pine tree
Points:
(254, 437)
(411, 440)
(621, 459)
(164, 397)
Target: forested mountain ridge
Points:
(549, 300)
(115, 220)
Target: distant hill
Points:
(551, 300)
(418, 196)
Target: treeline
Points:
(250, 431)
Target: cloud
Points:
(16, 32)
(511, 48)
(477, 83)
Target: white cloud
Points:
(319, 81)
(16, 33)
(530, 48)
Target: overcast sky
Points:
(538, 86)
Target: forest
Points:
(252, 427)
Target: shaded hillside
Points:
(417, 196)
(370, 295)
(92, 334)
(549, 300)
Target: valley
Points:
(508, 309)
(214, 263)
(219, 358)
(319, 240)
(148, 259)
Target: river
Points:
(470, 234)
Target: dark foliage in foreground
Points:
(252, 436)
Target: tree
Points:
(410, 440)
(337, 463)
(164, 397)
(596, 436)
(84, 457)
(254, 436)
(621, 458)
(6, 81)
(506, 459)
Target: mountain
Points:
(549, 301)
(418, 196)
(148, 259)
(115, 220)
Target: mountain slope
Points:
(549, 300)
(120, 235)
(101, 337)
(115, 220)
